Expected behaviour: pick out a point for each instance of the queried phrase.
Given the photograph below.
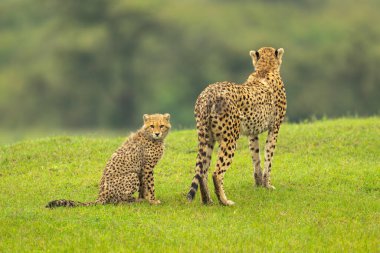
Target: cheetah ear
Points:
(279, 52)
(255, 56)
(167, 116)
(145, 117)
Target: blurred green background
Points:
(101, 64)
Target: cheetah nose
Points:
(157, 134)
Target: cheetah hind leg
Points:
(219, 191)
(203, 183)
(205, 193)
(222, 165)
(130, 184)
(127, 200)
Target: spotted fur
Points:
(130, 168)
(225, 110)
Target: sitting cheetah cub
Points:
(130, 168)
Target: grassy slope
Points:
(327, 198)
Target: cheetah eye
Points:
(151, 126)
(257, 55)
(162, 126)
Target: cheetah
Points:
(130, 168)
(225, 110)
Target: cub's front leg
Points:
(141, 187)
(148, 185)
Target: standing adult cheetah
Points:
(224, 110)
(130, 168)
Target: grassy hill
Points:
(327, 197)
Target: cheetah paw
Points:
(209, 202)
(270, 187)
(228, 203)
(155, 202)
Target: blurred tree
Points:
(103, 63)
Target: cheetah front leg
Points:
(255, 152)
(141, 187)
(269, 151)
(148, 182)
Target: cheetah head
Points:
(267, 59)
(156, 126)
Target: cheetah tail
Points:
(194, 187)
(69, 203)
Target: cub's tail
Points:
(69, 203)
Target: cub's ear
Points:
(145, 117)
(279, 52)
(167, 116)
(255, 56)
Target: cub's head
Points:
(267, 58)
(156, 126)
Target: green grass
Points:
(327, 198)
